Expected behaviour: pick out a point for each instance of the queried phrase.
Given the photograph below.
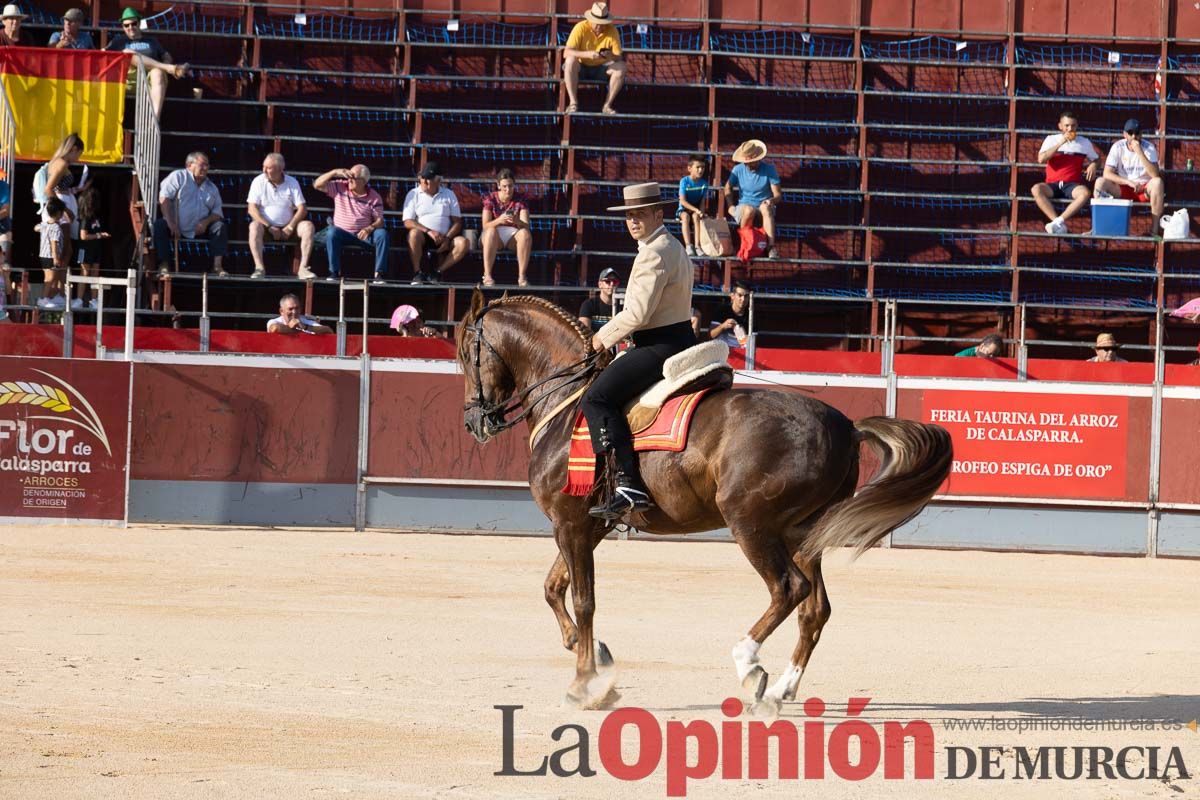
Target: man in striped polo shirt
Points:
(357, 218)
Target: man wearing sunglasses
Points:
(153, 55)
(1106, 349)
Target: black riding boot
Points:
(630, 493)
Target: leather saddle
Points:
(705, 366)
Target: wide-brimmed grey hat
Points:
(642, 195)
(13, 11)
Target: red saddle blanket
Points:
(668, 431)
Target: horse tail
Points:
(915, 458)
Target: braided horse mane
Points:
(555, 310)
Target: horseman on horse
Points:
(779, 469)
(657, 315)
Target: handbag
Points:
(714, 237)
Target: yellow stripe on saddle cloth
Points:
(665, 429)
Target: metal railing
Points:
(147, 143)
(130, 284)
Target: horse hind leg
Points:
(812, 615)
(815, 610)
(788, 588)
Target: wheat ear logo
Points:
(54, 399)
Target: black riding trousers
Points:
(623, 380)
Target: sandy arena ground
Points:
(212, 663)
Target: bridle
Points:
(481, 410)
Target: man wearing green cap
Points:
(154, 56)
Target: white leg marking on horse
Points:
(785, 687)
(745, 656)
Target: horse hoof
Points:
(599, 692)
(767, 708)
(603, 655)
(569, 642)
(756, 681)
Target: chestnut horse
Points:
(777, 468)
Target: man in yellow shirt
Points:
(593, 50)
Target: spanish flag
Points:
(56, 92)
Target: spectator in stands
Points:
(1131, 172)
(154, 57)
(693, 194)
(407, 321)
(434, 220)
(357, 218)
(277, 208)
(11, 36)
(593, 52)
(988, 347)
(91, 239)
(61, 182)
(1070, 161)
(53, 255)
(291, 322)
(757, 185)
(1106, 349)
(597, 311)
(506, 226)
(72, 37)
(191, 208)
(735, 330)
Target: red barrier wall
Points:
(221, 423)
(47, 341)
(300, 425)
(1179, 480)
(417, 432)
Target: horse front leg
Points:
(589, 690)
(557, 581)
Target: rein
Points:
(496, 412)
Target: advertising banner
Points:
(63, 437)
(1033, 445)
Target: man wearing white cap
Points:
(757, 185)
(11, 35)
(657, 314)
(593, 52)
